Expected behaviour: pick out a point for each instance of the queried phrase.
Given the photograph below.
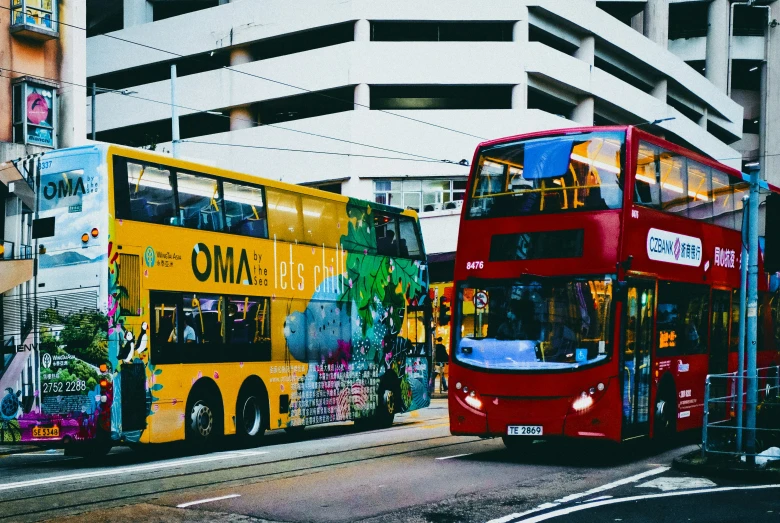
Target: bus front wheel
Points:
(250, 423)
(665, 416)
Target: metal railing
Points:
(9, 251)
(723, 425)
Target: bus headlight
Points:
(473, 401)
(585, 401)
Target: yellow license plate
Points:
(46, 432)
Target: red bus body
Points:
(615, 243)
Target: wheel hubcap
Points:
(389, 401)
(202, 419)
(251, 416)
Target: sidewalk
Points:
(727, 467)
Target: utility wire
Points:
(310, 151)
(258, 124)
(352, 102)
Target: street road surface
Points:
(413, 472)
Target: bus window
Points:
(165, 334)
(245, 210)
(734, 338)
(413, 329)
(682, 319)
(740, 190)
(285, 216)
(200, 205)
(574, 173)
(248, 328)
(722, 200)
(674, 184)
(203, 318)
(646, 187)
(699, 191)
(319, 217)
(408, 244)
(151, 194)
(386, 234)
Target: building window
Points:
(422, 195)
(36, 19)
(35, 110)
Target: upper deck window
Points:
(581, 172)
(678, 185)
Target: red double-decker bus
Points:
(596, 283)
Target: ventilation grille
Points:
(130, 281)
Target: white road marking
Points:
(572, 497)
(610, 486)
(596, 499)
(613, 501)
(456, 456)
(122, 470)
(209, 500)
(669, 484)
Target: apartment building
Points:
(387, 100)
(42, 78)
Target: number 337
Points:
(475, 265)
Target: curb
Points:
(8, 450)
(693, 462)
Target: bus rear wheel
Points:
(203, 421)
(250, 422)
(665, 425)
(385, 412)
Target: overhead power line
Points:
(258, 124)
(267, 79)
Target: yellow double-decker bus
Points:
(178, 301)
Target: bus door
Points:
(635, 366)
(719, 350)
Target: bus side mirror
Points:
(772, 234)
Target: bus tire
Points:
(203, 419)
(93, 450)
(389, 394)
(665, 424)
(251, 414)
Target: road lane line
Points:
(618, 483)
(572, 497)
(613, 501)
(456, 456)
(119, 471)
(209, 500)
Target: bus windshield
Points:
(535, 324)
(578, 172)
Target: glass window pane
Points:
(408, 245)
(322, 223)
(381, 198)
(245, 210)
(285, 217)
(381, 185)
(412, 185)
(459, 185)
(740, 189)
(151, 194)
(412, 200)
(646, 187)
(674, 186)
(200, 206)
(248, 328)
(722, 197)
(699, 191)
(202, 319)
(545, 175)
(386, 234)
(396, 199)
